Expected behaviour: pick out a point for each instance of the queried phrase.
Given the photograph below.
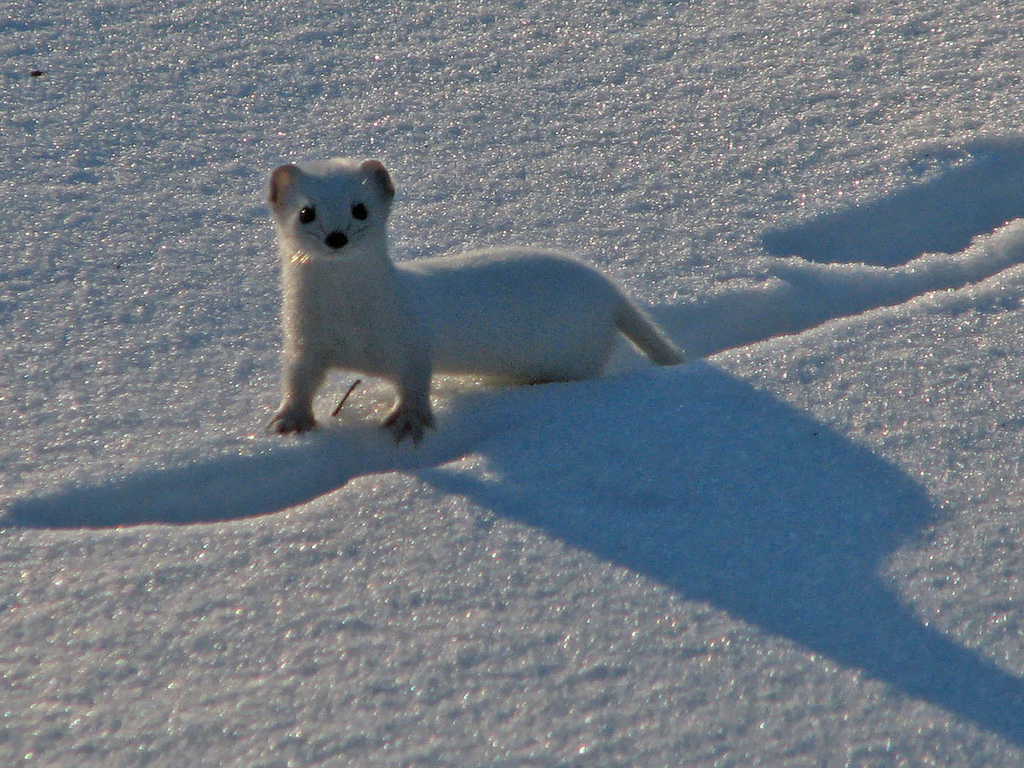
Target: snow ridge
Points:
(800, 293)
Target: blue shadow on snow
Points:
(937, 216)
(721, 492)
(766, 514)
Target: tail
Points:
(639, 328)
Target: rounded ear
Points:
(375, 170)
(281, 181)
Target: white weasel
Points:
(517, 314)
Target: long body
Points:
(506, 313)
(521, 315)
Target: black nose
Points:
(336, 240)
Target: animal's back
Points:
(522, 314)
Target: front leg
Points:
(411, 414)
(409, 417)
(301, 381)
(292, 417)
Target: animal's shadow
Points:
(760, 511)
(232, 487)
(937, 216)
(719, 491)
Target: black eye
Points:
(307, 214)
(359, 211)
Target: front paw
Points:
(408, 421)
(289, 419)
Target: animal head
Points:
(330, 209)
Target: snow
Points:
(800, 549)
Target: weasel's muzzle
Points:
(336, 240)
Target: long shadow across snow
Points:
(761, 511)
(719, 491)
(232, 487)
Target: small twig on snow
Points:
(337, 408)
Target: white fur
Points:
(517, 314)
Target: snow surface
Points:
(802, 549)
